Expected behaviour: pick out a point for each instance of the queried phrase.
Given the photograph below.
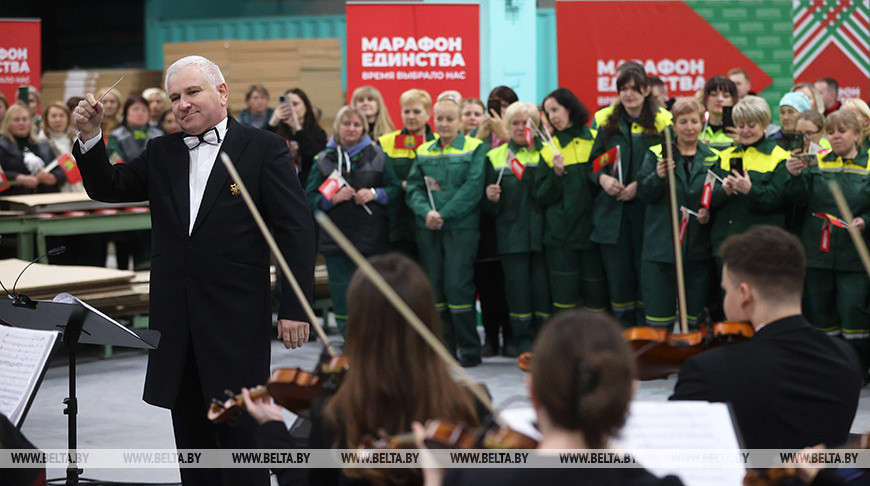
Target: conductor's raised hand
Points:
(88, 116)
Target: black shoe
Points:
(509, 351)
(469, 361)
(489, 349)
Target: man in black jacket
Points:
(791, 385)
(210, 292)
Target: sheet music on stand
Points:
(684, 425)
(24, 355)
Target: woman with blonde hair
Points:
(360, 208)
(112, 116)
(519, 222)
(836, 285)
(753, 176)
(400, 146)
(862, 111)
(369, 101)
(813, 94)
(23, 158)
(57, 128)
(444, 189)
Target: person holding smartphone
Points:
(720, 94)
(790, 106)
(837, 286)
(295, 120)
(753, 176)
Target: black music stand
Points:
(79, 323)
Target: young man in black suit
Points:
(210, 292)
(791, 386)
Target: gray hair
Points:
(210, 71)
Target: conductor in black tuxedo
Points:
(210, 290)
(791, 385)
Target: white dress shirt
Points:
(202, 160)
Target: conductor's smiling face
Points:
(197, 106)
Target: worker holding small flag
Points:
(564, 189)
(836, 286)
(692, 160)
(400, 148)
(519, 222)
(451, 170)
(633, 126)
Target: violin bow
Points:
(675, 233)
(857, 239)
(402, 307)
(282, 263)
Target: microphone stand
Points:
(71, 333)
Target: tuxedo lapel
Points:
(219, 179)
(179, 179)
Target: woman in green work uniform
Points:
(359, 209)
(836, 285)
(754, 194)
(634, 126)
(564, 190)
(719, 92)
(400, 148)
(692, 160)
(519, 223)
(444, 190)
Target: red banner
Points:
(831, 41)
(396, 47)
(669, 39)
(20, 56)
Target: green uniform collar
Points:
(457, 143)
(565, 136)
(430, 135)
(513, 147)
(860, 159)
(766, 146)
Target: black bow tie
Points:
(210, 137)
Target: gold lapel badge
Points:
(234, 190)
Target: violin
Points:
(660, 353)
(292, 388)
(446, 435)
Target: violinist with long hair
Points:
(394, 379)
(581, 384)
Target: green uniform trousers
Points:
(447, 257)
(834, 301)
(528, 296)
(660, 292)
(576, 276)
(340, 269)
(622, 263)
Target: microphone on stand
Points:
(21, 300)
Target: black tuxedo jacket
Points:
(210, 290)
(791, 385)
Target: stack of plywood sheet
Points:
(117, 293)
(62, 85)
(314, 65)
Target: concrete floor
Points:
(113, 415)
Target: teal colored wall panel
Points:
(548, 66)
(159, 32)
